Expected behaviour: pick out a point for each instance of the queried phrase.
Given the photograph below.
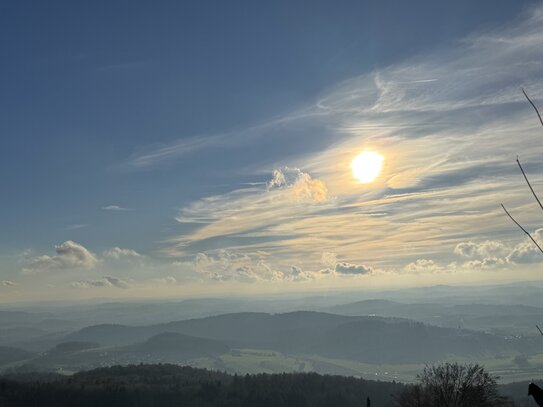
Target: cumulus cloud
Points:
(335, 267)
(466, 249)
(118, 253)
(297, 274)
(423, 266)
(350, 268)
(227, 265)
(302, 185)
(7, 283)
(488, 254)
(68, 255)
(104, 282)
(487, 263)
(241, 274)
(283, 177)
(309, 188)
(485, 255)
(486, 249)
(526, 252)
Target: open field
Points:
(252, 361)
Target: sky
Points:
(163, 149)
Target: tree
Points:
(452, 385)
(534, 241)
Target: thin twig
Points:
(530, 185)
(521, 228)
(533, 105)
(539, 329)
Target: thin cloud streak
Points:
(114, 208)
(156, 156)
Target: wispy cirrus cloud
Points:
(251, 212)
(449, 125)
(159, 155)
(162, 154)
(114, 208)
(104, 282)
(77, 226)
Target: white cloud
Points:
(423, 266)
(489, 253)
(526, 252)
(69, 255)
(302, 185)
(487, 263)
(114, 208)
(164, 153)
(225, 265)
(7, 283)
(486, 249)
(279, 178)
(297, 274)
(77, 226)
(118, 253)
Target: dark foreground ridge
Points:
(171, 385)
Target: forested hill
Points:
(171, 385)
(362, 338)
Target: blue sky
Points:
(158, 148)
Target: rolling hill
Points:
(367, 339)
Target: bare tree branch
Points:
(533, 105)
(539, 329)
(521, 228)
(530, 185)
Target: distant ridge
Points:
(363, 338)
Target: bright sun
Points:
(367, 166)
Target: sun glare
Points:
(367, 166)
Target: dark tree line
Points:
(170, 385)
